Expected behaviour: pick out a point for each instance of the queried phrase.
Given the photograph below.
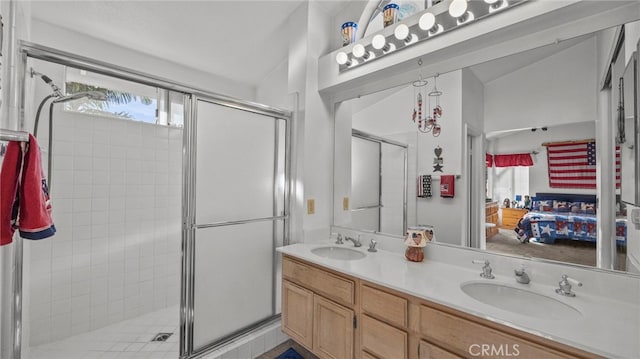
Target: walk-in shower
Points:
(147, 247)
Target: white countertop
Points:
(608, 327)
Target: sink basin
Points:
(520, 301)
(345, 254)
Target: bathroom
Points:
(295, 71)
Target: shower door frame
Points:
(381, 140)
(189, 225)
(32, 50)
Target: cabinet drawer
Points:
(327, 284)
(427, 350)
(388, 307)
(383, 340)
(466, 338)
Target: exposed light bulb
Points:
(360, 52)
(402, 32)
(427, 23)
(343, 59)
(458, 8)
(380, 43)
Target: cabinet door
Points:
(383, 340)
(427, 350)
(297, 312)
(333, 332)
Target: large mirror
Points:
(517, 106)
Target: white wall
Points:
(81, 44)
(528, 141)
(633, 243)
(313, 129)
(273, 89)
(631, 38)
(558, 89)
(474, 166)
(391, 117)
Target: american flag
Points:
(573, 165)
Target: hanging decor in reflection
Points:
(426, 116)
(419, 93)
(438, 161)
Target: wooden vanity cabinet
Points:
(318, 309)
(384, 322)
(336, 316)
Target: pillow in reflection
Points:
(575, 207)
(560, 206)
(589, 208)
(546, 206)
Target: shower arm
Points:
(37, 121)
(50, 148)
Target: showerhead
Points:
(91, 95)
(48, 81)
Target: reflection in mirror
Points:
(378, 183)
(518, 105)
(627, 132)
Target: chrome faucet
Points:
(522, 276)
(339, 239)
(372, 246)
(486, 269)
(565, 286)
(356, 242)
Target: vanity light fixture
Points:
(403, 33)
(380, 43)
(437, 20)
(427, 23)
(495, 5)
(360, 52)
(458, 9)
(343, 59)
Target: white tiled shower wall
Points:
(116, 197)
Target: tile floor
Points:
(127, 339)
(132, 339)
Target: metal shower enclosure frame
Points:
(192, 95)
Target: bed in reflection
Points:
(564, 216)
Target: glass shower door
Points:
(365, 184)
(238, 220)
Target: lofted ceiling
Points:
(242, 40)
(494, 69)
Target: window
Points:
(124, 99)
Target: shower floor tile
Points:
(127, 339)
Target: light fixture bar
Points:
(434, 21)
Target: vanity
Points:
(344, 302)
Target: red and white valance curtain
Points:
(509, 160)
(572, 164)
